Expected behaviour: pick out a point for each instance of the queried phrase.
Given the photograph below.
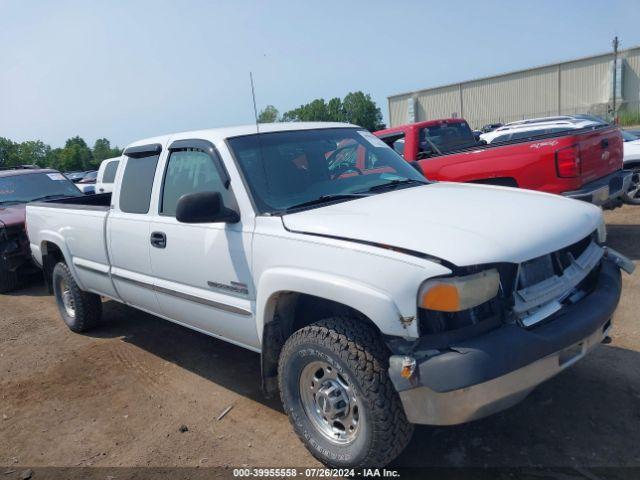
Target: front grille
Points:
(555, 263)
(547, 283)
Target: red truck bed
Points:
(584, 164)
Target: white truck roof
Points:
(216, 134)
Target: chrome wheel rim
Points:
(634, 189)
(66, 297)
(329, 402)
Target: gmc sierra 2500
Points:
(369, 316)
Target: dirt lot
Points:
(119, 396)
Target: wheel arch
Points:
(631, 164)
(53, 250)
(288, 311)
(289, 299)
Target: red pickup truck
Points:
(585, 164)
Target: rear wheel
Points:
(336, 390)
(80, 310)
(8, 280)
(632, 196)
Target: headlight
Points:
(454, 294)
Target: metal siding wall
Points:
(438, 103)
(511, 97)
(583, 87)
(585, 84)
(398, 110)
(631, 82)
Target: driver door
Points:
(202, 271)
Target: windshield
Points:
(287, 169)
(628, 136)
(446, 136)
(32, 186)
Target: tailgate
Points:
(600, 153)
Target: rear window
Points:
(137, 182)
(110, 171)
(446, 136)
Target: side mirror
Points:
(204, 207)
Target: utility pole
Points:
(615, 73)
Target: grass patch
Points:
(627, 118)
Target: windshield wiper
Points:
(395, 183)
(325, 199)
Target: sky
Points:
(126, 70)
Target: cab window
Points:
(110, 170)
(190, 171)
(137, 183)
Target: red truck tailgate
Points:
(600, 153)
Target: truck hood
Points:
(461, 223)
(12, 215)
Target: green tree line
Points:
(75, 155)
(356, 107)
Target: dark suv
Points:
(18, 187)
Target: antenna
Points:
(255, 109)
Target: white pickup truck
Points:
(376, 299)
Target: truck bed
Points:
(531, 162)
(100, 201)
(81, 221)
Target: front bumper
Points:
(605, 190)
(14, 252)
(492, 372)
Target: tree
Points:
(268, 115)
(8, 153)
(33, 152)
(357, 108)
(75, 155)
(54, 159)
(101, 149)
(335, 110)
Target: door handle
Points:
(159, 239)
(604, 143)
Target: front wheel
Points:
(340, 400)
(80, 310)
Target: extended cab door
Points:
(128, 228)
(202, 270)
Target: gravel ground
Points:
(139, 391)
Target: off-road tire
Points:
(88, 306)
(357, 350)
(8, 280)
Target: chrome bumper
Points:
(425, 406)
(605, 190)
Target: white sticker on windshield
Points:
(372, 139)
(56, 176)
